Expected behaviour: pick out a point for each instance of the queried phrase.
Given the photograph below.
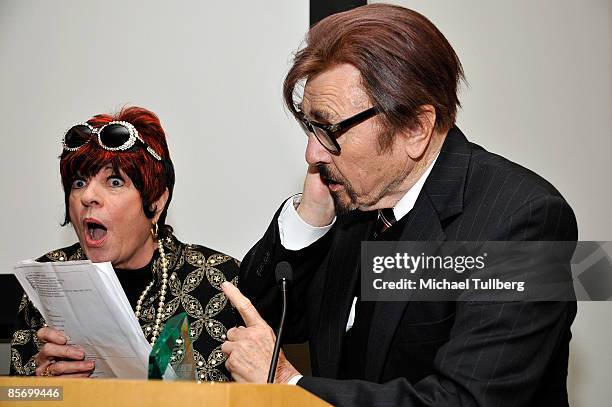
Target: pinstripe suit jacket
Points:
(431, 353)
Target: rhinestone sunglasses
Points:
(114, 136)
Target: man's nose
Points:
(315, 152)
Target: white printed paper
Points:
(86, 301)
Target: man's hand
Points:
(56, 358)
(250, 348)
(317, 206)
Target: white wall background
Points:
(212, 71)
(540, 75)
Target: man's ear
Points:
(159, 205)
(417, 138)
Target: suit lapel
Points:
(440, 199)
(340, 287)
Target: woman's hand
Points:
(56, 358)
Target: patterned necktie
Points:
(385, 220)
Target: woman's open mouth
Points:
(95, 232)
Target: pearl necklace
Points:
(162, 293)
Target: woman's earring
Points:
(154, 230)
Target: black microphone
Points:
(284, 277)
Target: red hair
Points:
(150, 176)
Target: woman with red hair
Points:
(118, 180)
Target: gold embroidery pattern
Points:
(215, 277)
(215, 305)
(57, 255)
(197, 274)
(193, 257)
(217, 259)
(28, 369)
(193, 280)
(208, 370)
(23, 303)
(20, 337)
(196, 329)
(182, 286)
(216, 329)
(78, 255)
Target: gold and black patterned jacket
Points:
(195, 275)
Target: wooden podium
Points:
(110, 392)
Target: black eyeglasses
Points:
(114, 136)
(327, 134)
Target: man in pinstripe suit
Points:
(379, 110)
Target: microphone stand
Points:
(279, 333)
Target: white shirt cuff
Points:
(295, 233)
(293, 381)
